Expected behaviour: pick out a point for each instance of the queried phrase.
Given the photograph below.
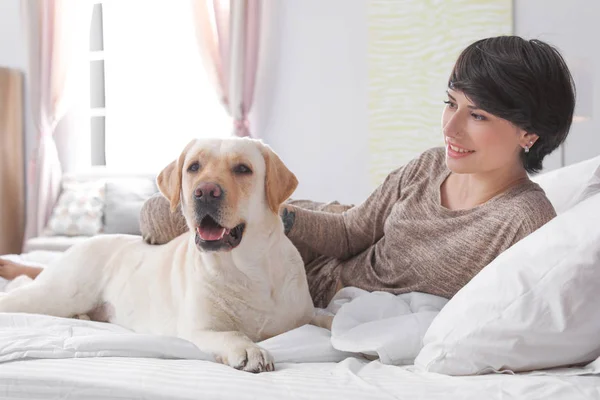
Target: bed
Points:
(138, 378)
(526, 327)
(45, 357)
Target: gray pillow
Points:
(124, 200)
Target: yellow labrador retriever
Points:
(232, 280)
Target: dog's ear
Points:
(169, 179)
(280, 182)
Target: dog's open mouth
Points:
(213, 237)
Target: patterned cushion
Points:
(79, 209)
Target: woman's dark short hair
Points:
(526, 82)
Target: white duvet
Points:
(372, 324)
(365, 326)
(68, 358)
(73, 359)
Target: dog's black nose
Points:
(208, 191)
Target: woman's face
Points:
(478, 142)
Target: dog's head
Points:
(225, 186)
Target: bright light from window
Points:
(158, 95)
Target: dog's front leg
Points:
(234, 349)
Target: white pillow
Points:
(536, 306)
(124, 200)
(567, 186)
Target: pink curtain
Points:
(57, 33)
(227, 32)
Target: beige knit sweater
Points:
(401, 239)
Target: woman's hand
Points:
(288, 217)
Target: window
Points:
(97, 100)
(150, 92)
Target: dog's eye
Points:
(194, 167)
(242, 169)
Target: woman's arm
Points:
(10, 270)
(158, 224)
(349, 233)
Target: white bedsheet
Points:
(28, 336)
(391, 327)
(45, 357)
(351, 379)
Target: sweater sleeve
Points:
(349, 233)
(158, 225)
(537, 211)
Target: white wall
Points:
(574, 27)
(316, 116)
(12, 49)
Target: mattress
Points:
(147, 378)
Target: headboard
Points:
(12, 176)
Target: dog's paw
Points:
(248, 357)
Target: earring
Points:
(526, 149)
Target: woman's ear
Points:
(528, 139)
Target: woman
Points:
(437, 221)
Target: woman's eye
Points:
(242, 169)
(450, 104)
(478, 117)
(194, 167)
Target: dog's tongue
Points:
(209, 230)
